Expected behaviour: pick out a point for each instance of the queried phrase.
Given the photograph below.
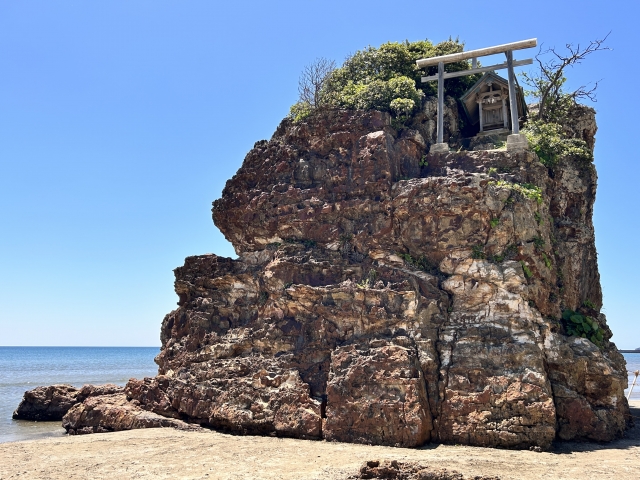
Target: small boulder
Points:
(53, 402)
(46, 403)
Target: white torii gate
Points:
(515, 141)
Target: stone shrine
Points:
(487, 103)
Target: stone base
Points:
(487, 140)
(498, 131)
(439, 148)
(517, 143)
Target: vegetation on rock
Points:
(527, 190)
(545, 129)
(584, 326)
(421, 262)
(385, 78)
(551, 142)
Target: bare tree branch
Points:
(547, 84)
(312, 81)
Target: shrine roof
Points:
(469, 102)
(486, 77)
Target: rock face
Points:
(385, 295)
(53, 402)
(112, 413)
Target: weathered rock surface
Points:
(394, 470)
(53, 402)
(112, 413)
(386, 295)
(376, 394)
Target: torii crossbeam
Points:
(516, 141)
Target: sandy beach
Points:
(166, 453)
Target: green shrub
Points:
(398, 94)
(550, 144)
(367, 282)
(387, 78)
(578, 325)
(402, 107)
(477, 252)
(528, 190)
(508, 254)
(538, 242)
(299, 111)
(538, 218)
(421, 263)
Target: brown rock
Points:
(53, 402)
(239, 395)
(46, 403)
(588, 385)
(394, 470)
(377, 394)
(112, 413)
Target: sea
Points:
(24, 368)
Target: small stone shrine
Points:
(487, 103)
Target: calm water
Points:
(24, 368)
(633, 364)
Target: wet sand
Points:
(166, 453)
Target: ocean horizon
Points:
(25, 368)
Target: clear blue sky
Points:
(120, 122)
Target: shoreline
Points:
(167, 453)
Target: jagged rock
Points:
(112, 413)
(53, 402)
(394, 470)
(384, 295)
(587, 385)
(46, 403)
(425, 122)
(241, 395)
(377, 394)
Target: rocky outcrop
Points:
(386, 295)
(53, 402)
(249, 396)
(376, 394)
(112, 413)
(394, 470)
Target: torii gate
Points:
(515, 141)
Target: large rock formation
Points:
(388, 296)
